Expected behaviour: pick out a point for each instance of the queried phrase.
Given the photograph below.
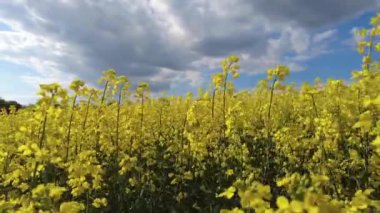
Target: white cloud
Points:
(169, 22)
(323, 36)
(36, 52)
(354, 39)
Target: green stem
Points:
(118, 121)
(213, 103)
(97, 145)
(224, 99)
(371, 41)
(314, 105)
(270, 101)
(142, 116)
(84, 122)
(69, 129)
(40, 144)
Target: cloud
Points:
(354, 38)
(320, 37)
(30, 50)
(166, 41)
(312, 14)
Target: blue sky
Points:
(174, 45)
(338, 63)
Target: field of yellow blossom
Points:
(277, 148)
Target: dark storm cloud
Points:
(238, 43)
(311, 13)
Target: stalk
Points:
(97, 145)
(118, 121)
(365, 138)
(224, 100)
(269, 137)
(160, 124)
(359, 100)
(270, 101)
(84, 122)
(40, 144)
(213, 103)
(69, 129)
(314, 105)
(142, 116)
(44, 124)
(141, 134)
(224, 97)
(183, 135)
(370, 49)
(104, 92)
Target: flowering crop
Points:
(273, 149)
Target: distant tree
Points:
(8, 104)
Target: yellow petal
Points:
(282, 202)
